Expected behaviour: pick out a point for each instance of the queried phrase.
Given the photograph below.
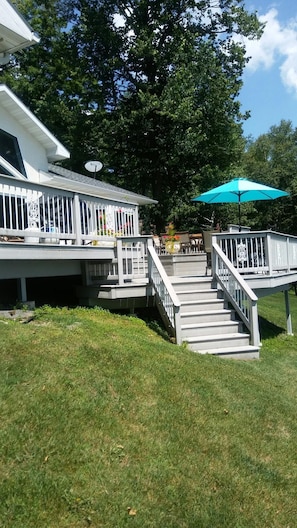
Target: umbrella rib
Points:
(266, 194)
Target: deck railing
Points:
(237, 291)
(168, 302)
(129, 262)
(43, 214)
(259, 251)
(131, 256)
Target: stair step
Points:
(190, 283)
(207, 316)
(202, 305)
(208, 325)
(189, 278)
(187, 295)
(239, 352)
(214, 343)
(224, 327)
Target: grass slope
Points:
(105, 424)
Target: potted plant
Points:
(172, 240)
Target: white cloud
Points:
(118, 20)
(277, 46)
(263, 52)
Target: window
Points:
(10, 151)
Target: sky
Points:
(270, 78)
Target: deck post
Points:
(136, 221)
(22, 289)
(288, 254)
(288, 314)
(255, 334)
(120, 261)
(149, 243)
(77, 220)
(269, 255)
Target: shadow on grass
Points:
(269, 330)
(153, 320)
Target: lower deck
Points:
(116, 275)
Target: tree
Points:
(53, 77)
(177, 126)
(149, 87)
(272, 159)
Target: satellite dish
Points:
(93, 166)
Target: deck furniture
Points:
(157, 244)
(207, 242)
(196, 240)
(185, 242)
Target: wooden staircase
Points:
(208, 324)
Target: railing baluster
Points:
(165, 292)
(4, 209)
(237, 291)
(10, 212)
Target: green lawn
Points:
(106, 424)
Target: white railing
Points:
(132, 258)
(248, 252)
(100, 219)
(259, 251)
(282, 252)
(129, 263)
(237, 292)
(39, 213)
(168, 302)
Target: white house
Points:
(58, 220)
(15, 32)
(53, 222)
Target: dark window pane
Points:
(10, 151)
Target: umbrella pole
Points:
(239, 214)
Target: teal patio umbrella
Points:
(240, 190)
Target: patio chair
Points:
(185, 242)
(196, 241)
(163, 238)
(207, 236)
(157, 244)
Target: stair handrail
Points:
(168, 302)
(237, 292)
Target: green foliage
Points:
(154, 97)
(271, 159)
(104, 423)
(179, 118)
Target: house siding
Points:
(33, 153)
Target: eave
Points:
(15, 32)
(55, 151)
